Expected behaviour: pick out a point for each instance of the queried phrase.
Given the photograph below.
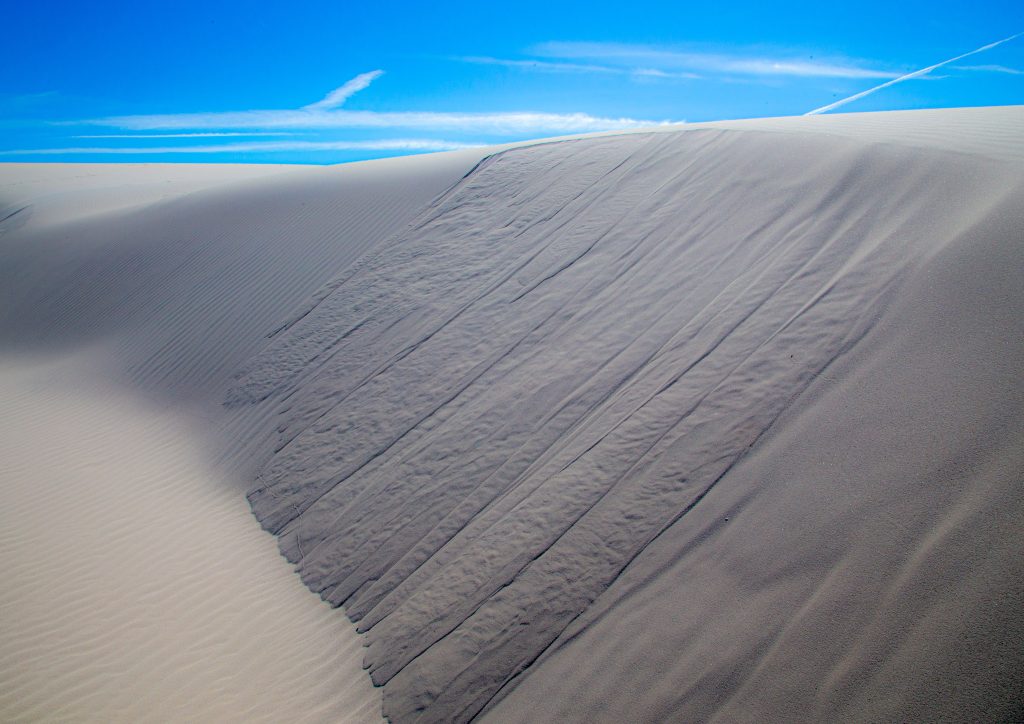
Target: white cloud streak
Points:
(540, 65)
(657, 73)
(501, 123)
(143, 136)
(28, 99)
(339, 95)
(908, 76)
(546, 66)
(325, 114)
(398, 144)
(666, 59)
(990, 69)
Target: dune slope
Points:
(183, 289)
(136, 586)
(721, 422)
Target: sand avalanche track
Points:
(673, 426)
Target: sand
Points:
(52, 194)
(492, 429)
(714, 422)
(136, 584)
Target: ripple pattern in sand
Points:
(136, 588)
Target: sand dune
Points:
(710, 422)
(137, 585)
(183, 290)
(55, 194)
(491, 420)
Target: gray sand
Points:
(516, 431)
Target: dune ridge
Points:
(184, 289)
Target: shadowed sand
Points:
(717, 422)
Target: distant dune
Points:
(716, 422)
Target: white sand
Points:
(51, 194)
(136, 585)
(863, 562)
(720, 422)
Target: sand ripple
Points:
(137, 587)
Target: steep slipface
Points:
(863, 561)
(492, 417)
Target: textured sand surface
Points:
(181, 291)
(509, 439)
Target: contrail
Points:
(908, 76)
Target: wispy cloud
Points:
(672, 59)
(990, 69)
(908, 76)
(508, 123)
(658, 73)
(546, 66)
(541, 65)
(324, 115)
(143, 136)
(339, 95)
(399, 144)
(28, 99)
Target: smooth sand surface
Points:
(50, 194)
(136, 586)
(715, 422)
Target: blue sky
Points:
(319, 82)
